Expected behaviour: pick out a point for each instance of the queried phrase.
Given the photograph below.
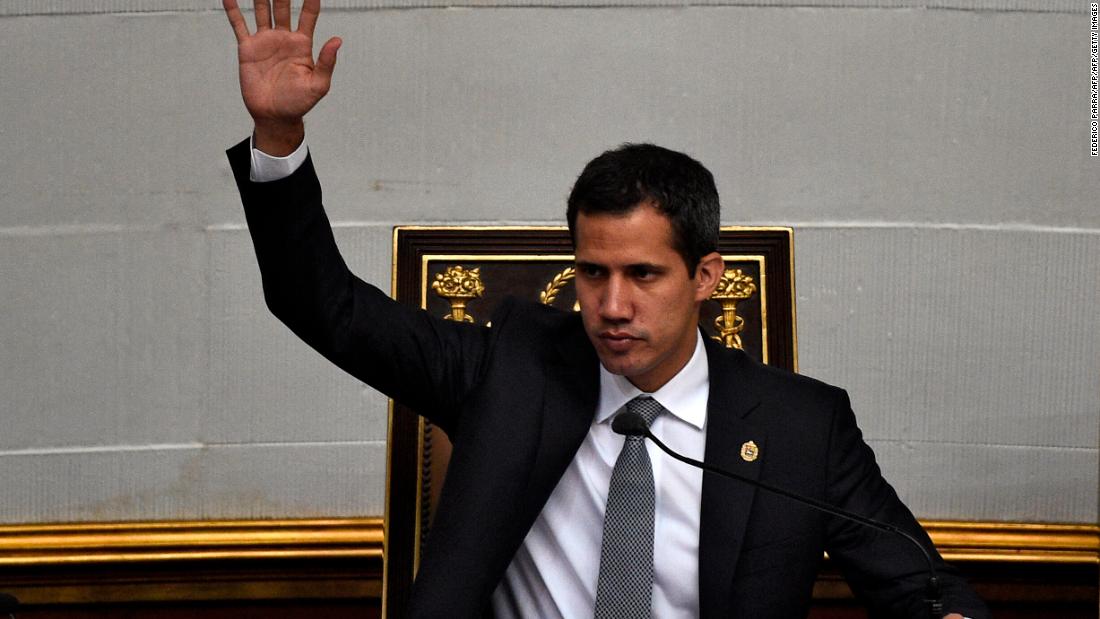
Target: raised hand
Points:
(279, 80)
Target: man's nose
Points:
(616, 305)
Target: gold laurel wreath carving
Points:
(549, 294)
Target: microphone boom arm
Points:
(932, 590)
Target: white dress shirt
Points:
(267, 168)
(555, 570)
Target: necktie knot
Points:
(645, 407)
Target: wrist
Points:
(278, 138)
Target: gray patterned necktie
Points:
(625, 586)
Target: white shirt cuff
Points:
(266, 168)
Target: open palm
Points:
(279, 80)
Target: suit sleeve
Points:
(887, 573)
(424, 362)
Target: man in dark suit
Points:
(545, 511)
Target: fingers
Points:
(236, 20)
(282, 14)
(326, 60)
(263, 15)
(307, 21)
(308, 18)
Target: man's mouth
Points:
(618, 341)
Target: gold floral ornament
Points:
(458, 285)
(733, 288)
(549, 294)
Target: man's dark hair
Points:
(680, 187)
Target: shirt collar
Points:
(684, 395)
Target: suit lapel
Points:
(726, 503)
(569, 404)
(556, 430)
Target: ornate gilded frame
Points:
(422, 257)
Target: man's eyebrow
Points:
(648, 266)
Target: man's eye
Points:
(643, 273)
(588, 270)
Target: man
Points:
(546, 512)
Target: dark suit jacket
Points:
(517, 400)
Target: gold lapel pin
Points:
(749, 451)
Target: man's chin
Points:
(617, 365)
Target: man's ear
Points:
(707, 275)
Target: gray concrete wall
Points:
(933, 157)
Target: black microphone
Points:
(632, 424)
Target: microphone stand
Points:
(632, 424)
